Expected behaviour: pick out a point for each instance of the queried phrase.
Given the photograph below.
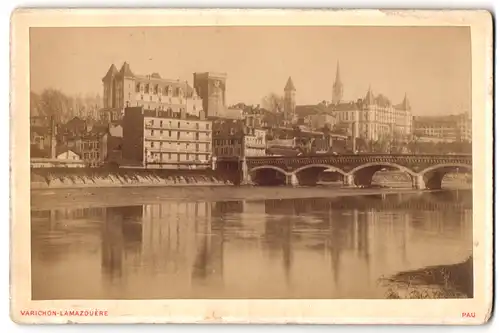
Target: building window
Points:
(152, 144)
(197, 136)
(187, 157)
(169, 133)
(152, 133)
(178, 135)
(178, 124)
(161, 123)
(197, 147)
(208, 126)
(161, 132)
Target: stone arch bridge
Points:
(426, 171)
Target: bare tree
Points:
(35, 105)
(53, 103)
(273, 102)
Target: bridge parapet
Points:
(413, 164)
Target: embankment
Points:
(56, 178)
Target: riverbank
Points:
(112, 196)
(443, 281)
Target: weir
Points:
(97, 177)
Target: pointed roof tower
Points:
(289, 85)
(338, 87)
(338, 81)
(112, 71)
(369, 98)
(125, 71)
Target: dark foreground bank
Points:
(443, 281)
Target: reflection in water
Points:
(299, 248)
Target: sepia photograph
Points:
(292, 161)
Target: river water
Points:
(292, 248)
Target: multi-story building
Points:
(93, 147)
(234, 138)
(450, 128)
(93, 143)
(43, 131)
(376, 117)
(166, 139)
(316, 116)
(258, 117)
(465, 127)
(125, 89)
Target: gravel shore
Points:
(102, 197)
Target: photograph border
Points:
(435, 311)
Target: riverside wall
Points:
(43, 178)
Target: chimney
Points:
(202, 115)
(53, 141)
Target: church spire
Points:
(338, 87)
(337, 76)
(289, 85)
(369, 98)
(406, 103)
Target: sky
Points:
(432, 65)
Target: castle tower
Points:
(211, 88)
(289, 101)
(124, 87)
(108, 82)
(338, 87)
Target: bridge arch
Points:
(446, 167)
(323, 166)
(382, 164)
(433, 175)
(363, 174)
(261, 175)
(263, 167)
(310, 174)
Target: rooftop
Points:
(164, 114)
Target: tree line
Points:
(63, 107)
